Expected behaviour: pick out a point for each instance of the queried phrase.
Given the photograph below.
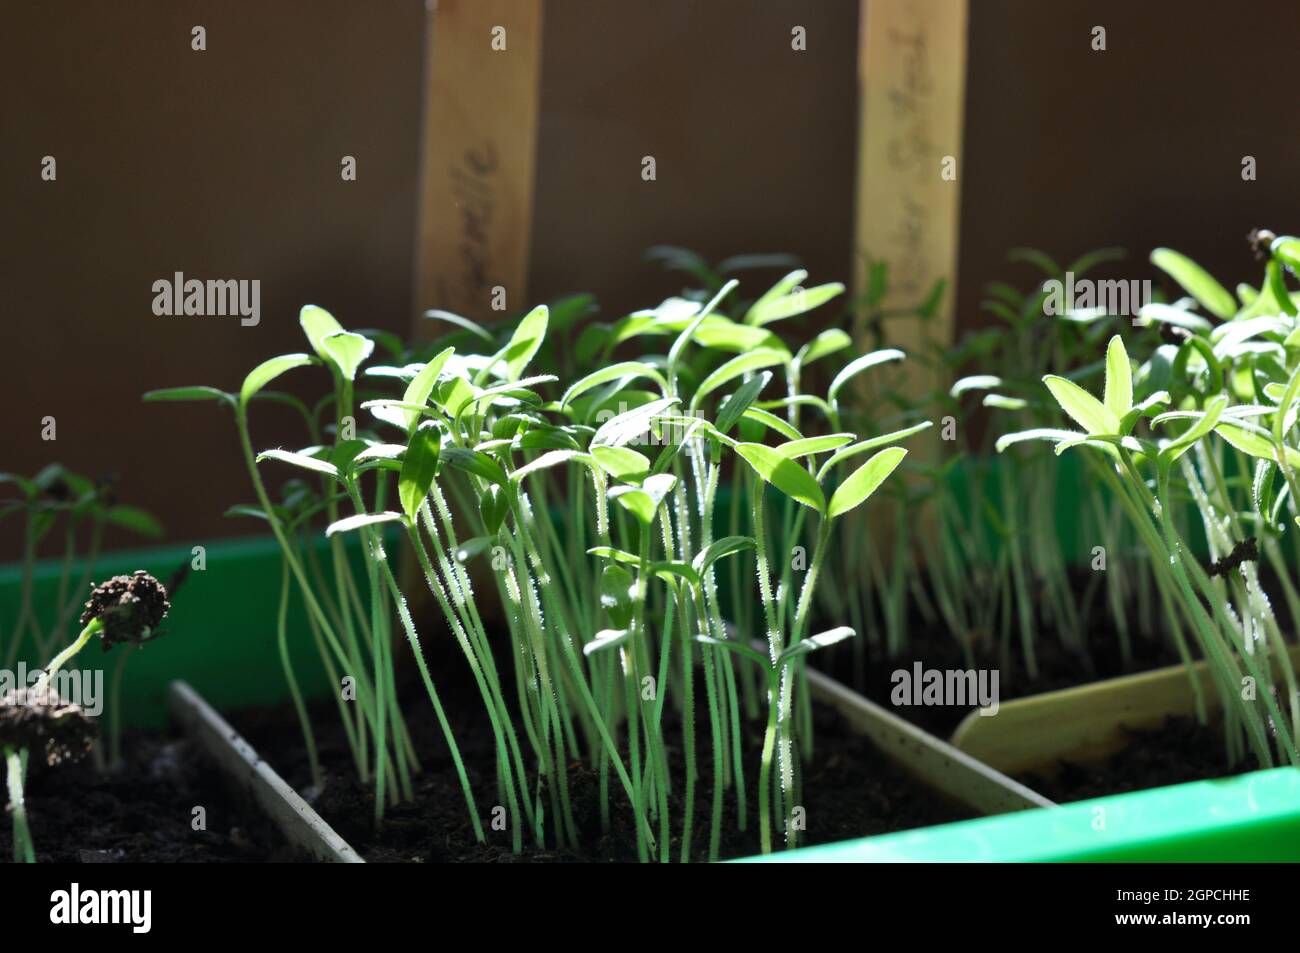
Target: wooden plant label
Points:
(912, 74)
(482, 69)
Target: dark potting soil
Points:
(143, 812)
(849, 790)
(1180, 750)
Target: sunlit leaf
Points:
(739, 365)
(1196, 281)
(720, 549)
(813, 445)
(419, 464)
(784, 474)
(360, 520)
(1087, 411)
(606, 639)
(347, 350)
(864, 480)
(317, 323)
(824, 344)
(526, 340)
(1119, 379)
(625, 369)
(268, 371)
(860, 364)
(622, 463)
(814, 642)
(299, 460)
(421, 386)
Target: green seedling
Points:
(1204, 429)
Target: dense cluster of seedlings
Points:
(624, 493)
(965, 543)
(989, 561)
(593, 504)
(1200, 436)
(998, 567)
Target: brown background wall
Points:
(226, 164)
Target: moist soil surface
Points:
(849, 790)
(143, 812)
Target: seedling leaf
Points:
(1196, 281)
(348, 351)
(418, 468)
(824, 344)
(526, 341)
(860, 364)
(360, 520)
(626, 369)
(606, 639)
(475, 462)
(190, 394)
(300, 460)
(784, 474)
(864, 480)
(813, 643)
(736, 403)
(622, 463)
(421, 386)
(1087, 411)
(1119, 379)
(808, 446)
(317, 323)
(134, 519)
(268, 371)
(719, 549)
(738, 365)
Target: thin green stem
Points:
(24, 852)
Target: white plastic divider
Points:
(944, 768)
(294, 817)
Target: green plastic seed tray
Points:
(1250, 817)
